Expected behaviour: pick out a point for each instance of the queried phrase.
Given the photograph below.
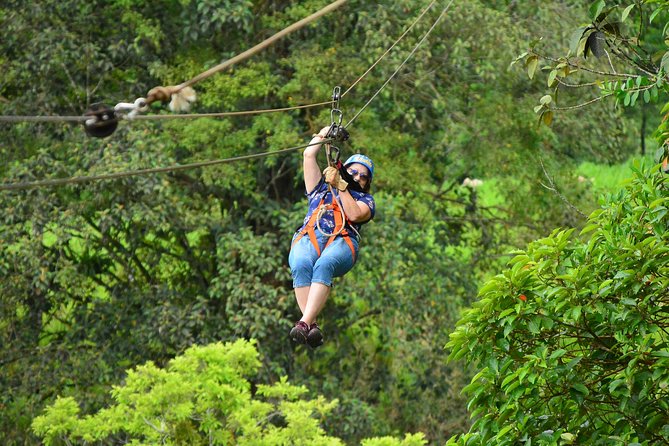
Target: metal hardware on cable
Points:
(102, 120)
(336, 96)
(131, 109)
(332, 154)
(337, 132)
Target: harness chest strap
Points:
(309, 228)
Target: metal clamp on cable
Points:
(102, 122)
(130, 110)
(337, 132)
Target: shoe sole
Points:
(315, 340)
(298, 336)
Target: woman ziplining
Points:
(339, 204)
(326, 245)
(317, 259)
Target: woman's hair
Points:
(367, 186)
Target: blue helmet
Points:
(364, 160)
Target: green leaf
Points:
(551, 78)
(580, 388)
(656, 421)
(665, 109)
(626, 12)
(596, 9)
(504, 431)
(665, 62)
(567, 437)
(517, 59)
(589, 228)
(654, 14)
(531, 64)
(634, 97)
(558, 353)
(575, 39)
(534, 325)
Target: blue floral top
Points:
(327, 220)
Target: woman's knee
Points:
(328, 267)
(301, 266)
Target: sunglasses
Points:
(354, 172)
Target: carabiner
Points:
(336, 95)
(336, 132)
(340, 117)
(332, 159)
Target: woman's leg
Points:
(302, 294)
(301, 259)
(318, 295)
(335, 261)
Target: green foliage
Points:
(570, 340)
(104, 276)
(622, 53)
(602, 179)
(200, 397)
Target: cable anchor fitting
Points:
(132, 109)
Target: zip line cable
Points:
(130, 173)
(223, 114)
(82, 179)
(165, 93)
(390, 48)
(434, 25)
(8, 118)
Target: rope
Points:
(14, 118)
(323, 207)
(390, 48)
(17, 118)
(401, 65)
(224, 114)
(113, 176)
(164, 93)
(82, 179)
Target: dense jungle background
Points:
(115, 294)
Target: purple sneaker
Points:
(299, 332)
(315, 336)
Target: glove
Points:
(332, 177)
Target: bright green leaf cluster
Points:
(571, 340)
(201, 397)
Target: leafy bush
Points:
(201, 397)
(572, 340)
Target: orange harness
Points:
(310, 227)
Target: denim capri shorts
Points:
(307, 267)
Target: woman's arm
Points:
(356, 211)
(312, 172)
